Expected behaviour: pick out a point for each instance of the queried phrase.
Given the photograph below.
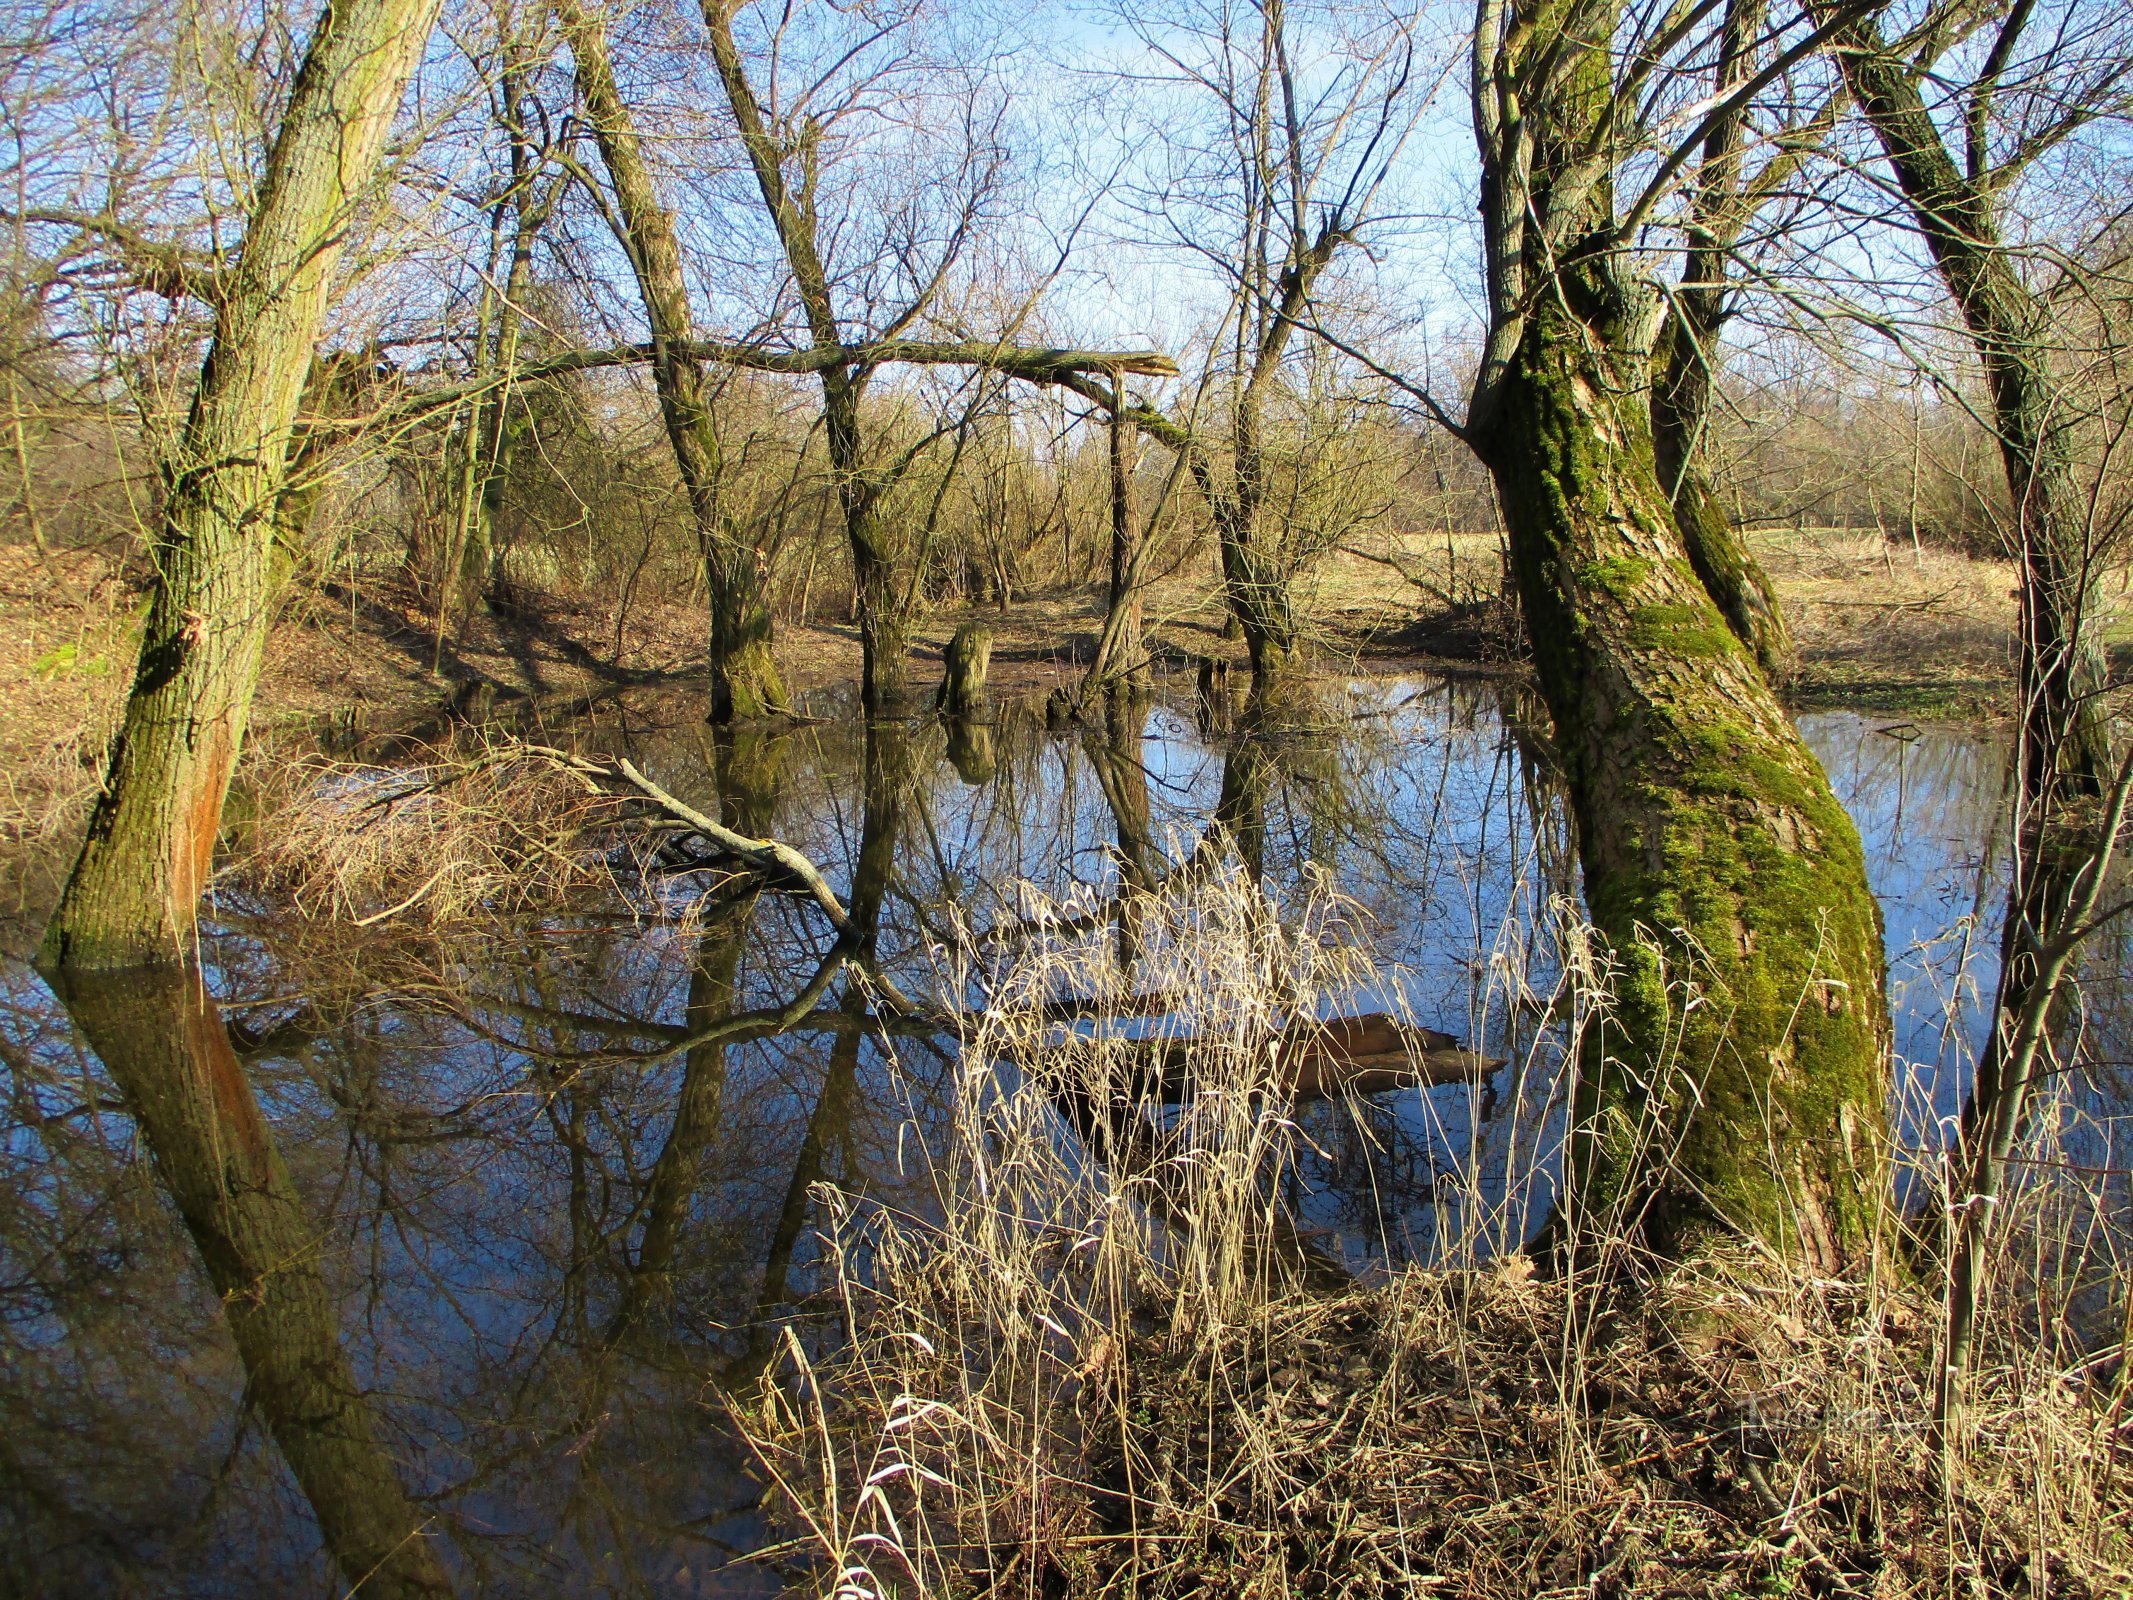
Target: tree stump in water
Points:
(969, 656)
(1215, 705)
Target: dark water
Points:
(554, 1226)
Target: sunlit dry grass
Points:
(1108, 1365)
(495, 833)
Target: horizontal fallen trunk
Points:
(1319, 1058)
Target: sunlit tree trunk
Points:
(163, 1041)
(1688, 351)
(2066, 727)
(883, 602)
(1718, 865)
(1127, 666)
(744, 673)
(151, 840)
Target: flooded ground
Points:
(563, 1167)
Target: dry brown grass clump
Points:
(494, 834)
(1106, 1366)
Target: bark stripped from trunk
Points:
(744, 674)
(151, 841)
(163, 1041)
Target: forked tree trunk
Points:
(1715, 855)
(499, 419)
(744, 673)
(164, 1044)
(132, 896)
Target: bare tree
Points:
(744, 674)
(151, 840)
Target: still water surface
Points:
(554, 1228)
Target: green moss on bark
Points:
(1740, 1079)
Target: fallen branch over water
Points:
(771, 857)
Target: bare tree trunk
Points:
(1688, 351)
(132, 895)
(744, 673)
(1127, 667)
(2066, 727)
(499, 417)
(163, 1041)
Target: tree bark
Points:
(744, 674)
(132, 895)
(1738, 1081)
(1687, 354)
(2066, 727)
(1719, 553)
(1715, 855)
(163, 1041)
(962, 694)
(1126, 668)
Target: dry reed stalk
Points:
(1101, 1368)
(502, 832)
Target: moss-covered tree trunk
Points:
(133, 892)
(164, 1044)
(744, 673)
(1687, 352)
(1717, 862)
(1739, 1080)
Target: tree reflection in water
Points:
(482, 1213)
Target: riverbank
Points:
(1880, 627)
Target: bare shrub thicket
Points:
(1108, 1364)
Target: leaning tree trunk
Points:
(744, 673)
(2066, 725)
(1717, 861)
(164, 1044)
(151, 841)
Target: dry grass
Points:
(1106, 1367)
(479, 836)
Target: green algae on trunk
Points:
(131, 897)
(1739, 1080)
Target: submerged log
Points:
(1322, 1057)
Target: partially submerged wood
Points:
(1322, 1057)
(771, 857)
